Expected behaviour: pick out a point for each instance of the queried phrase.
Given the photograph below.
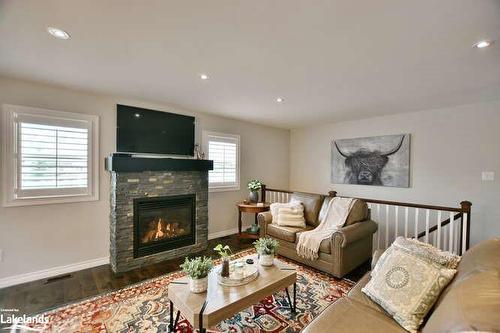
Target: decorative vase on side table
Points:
(254, 186)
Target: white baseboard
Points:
(51, 272)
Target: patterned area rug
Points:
(144, 307)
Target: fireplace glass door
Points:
(163, 223)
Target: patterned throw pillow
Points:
(424, 250)
(407, 286)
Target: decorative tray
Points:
(238, 276)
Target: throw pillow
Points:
(407, 286)
(291, 216)
(274, 208)
(426, 251)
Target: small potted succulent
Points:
(225, 253)
(266, 248)
(254, 186)
(197, 270)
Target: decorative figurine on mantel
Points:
(254, 186)
(198, 152)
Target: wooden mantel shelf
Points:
(124, 163)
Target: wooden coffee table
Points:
(220, 302)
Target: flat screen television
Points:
(155, 132)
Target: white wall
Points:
(449, 150)
(41, 237)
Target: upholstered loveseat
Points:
(470, 303)
(344, 251)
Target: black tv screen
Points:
(156, 132)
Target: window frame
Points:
(12, 195)
(220, 187)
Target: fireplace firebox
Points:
(163, 223)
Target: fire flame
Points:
(160, 229)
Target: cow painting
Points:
(380, 161)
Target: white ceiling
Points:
(329, 60)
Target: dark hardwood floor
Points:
(42, 295)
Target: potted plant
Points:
(197, 270)
(266, 248)
(254, 186)
(225, 253)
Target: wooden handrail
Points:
(443, 223)
(464, 205)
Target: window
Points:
(49, 156)
(224, 150)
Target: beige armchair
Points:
(344, 251)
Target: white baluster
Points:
(439, 229)
(416, 223)
(464, 235)
(396, 211)
(378, 231)
(406, 222)
(427, 212)
(445, 237)
(386, 226)
(452, 225)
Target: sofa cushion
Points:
(325, 246)
(283, 233)
(472, 301)
(312, 205)
(347, 315)
(358, 213)
(407, 286)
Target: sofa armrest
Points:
(355, 231)
(264, 219)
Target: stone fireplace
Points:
(159, 209)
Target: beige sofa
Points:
(345, 250)
(471, 302)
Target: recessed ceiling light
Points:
(204, 76)
(482, 44)
(137, 115)
(58, 33)
(279, 99)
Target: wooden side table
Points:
(250, 208)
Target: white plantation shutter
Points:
(52, 155)
(223, 149)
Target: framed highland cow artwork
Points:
(377, 160)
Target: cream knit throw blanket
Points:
(335, 217)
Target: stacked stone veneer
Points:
(126, 186)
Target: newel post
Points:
(263, 193)
(332, 193)
(466, 208)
